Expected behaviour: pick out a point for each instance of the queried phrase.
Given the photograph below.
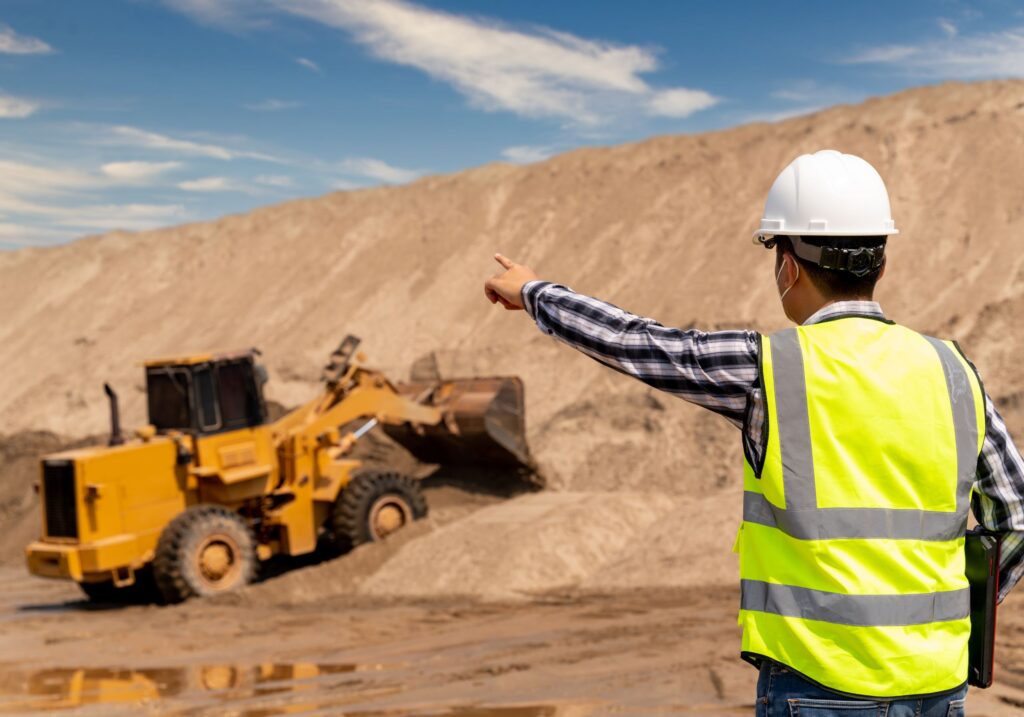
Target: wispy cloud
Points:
(232, 15)
(211, 184)
(12, 107)
(525, 154)
(135, 137)
(534, 73)
(801, 97)
(272, 105)
(379, 170)
(24, 179)
(344, 185)
(948, 27)
(956, 56)
(61, 196)
(308, 64)
(274, 180)
(136, 172)
(11, 43)
(23, 235)
(108, 217)
(680, 102)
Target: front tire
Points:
(374, 505)
(205, 550)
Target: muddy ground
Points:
(626, 653)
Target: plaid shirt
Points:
(719, 371)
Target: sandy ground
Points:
(571, 654)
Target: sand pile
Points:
(660, 227)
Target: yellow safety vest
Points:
(852, 540)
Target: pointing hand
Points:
(507, 286)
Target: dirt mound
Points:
(661, 227)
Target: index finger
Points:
(504, 261)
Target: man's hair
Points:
(834, 283)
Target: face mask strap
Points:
(783, 295)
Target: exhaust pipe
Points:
(116, 439)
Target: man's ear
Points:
(789, 272)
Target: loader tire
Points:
(374, 505)
(205, 550)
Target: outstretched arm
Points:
(715, 370)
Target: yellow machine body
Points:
(104, 507)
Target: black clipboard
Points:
(982, 553)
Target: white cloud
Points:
(881, 54)
(680, 102)
(274, 180)
(60, 197)
(948, 27)
(525, 154)
(233, 15)
(133, 217)
(135, 137)
(780, 115)
(11, 43)
(804, 97)
(379, 170)
(93, 216)
(272, 105)
(208, 184)
(308, 64)
(26, 180)
(962, 57)
(538, 73)
(22, 235)
(344, 185)
(16, 107)
(137, 172)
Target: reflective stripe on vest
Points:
(852, 569)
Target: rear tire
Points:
(375, 504)
(205, 550)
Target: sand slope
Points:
(660, 227)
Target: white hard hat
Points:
(827, 194)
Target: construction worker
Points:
(862, 441)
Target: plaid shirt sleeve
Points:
(716, 370)
(998, 498)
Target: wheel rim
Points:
(218, 558)
(388, 514)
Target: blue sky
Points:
(135, 114)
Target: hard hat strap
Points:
(859, 261)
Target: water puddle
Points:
(248, 690)
(60, 687)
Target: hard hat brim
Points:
(761, 235)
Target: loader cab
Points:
(206, 394)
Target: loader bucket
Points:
(483, 423)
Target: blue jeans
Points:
(782, 693)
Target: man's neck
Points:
(814, 307)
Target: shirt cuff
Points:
(531, 293)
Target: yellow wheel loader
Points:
(210, 488)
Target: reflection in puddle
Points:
(72, 687)
(250, 690)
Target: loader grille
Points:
(59, 493)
